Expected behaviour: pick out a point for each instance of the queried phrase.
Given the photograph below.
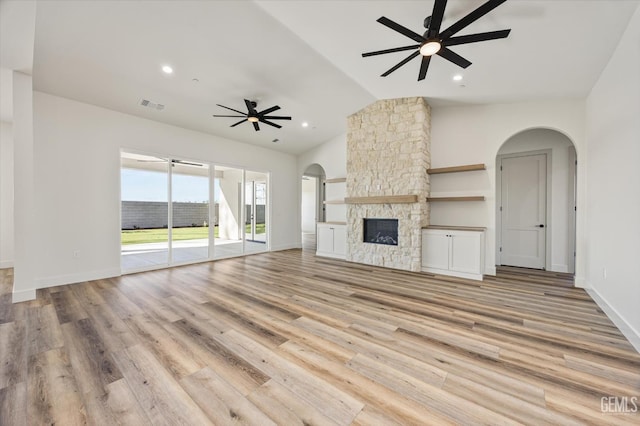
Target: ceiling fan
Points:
(173, 162)
(254, 116)
(436, 42)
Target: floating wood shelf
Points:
(333, 202)
(335, 180)
(383, 199)
(472, 198)
(455, 169)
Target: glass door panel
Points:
(256, 212)
(229, 218)
(144, 211)
(189, 211)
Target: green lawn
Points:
(142, 236)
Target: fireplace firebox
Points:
(381, 231)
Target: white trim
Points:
(332, 255)
(490, 270)
(76, 278)
(579, 282)
(477, 277)
(23, 295)
(6, 264)
(556, 267)
(625, 328)
(286, 247)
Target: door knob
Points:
(541, 226)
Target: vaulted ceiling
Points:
(305, 56)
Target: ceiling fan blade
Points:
(239, 122)
(270, 124)
(424, 66)
(401, 63)
(234, 116)
(395, 49)
(234, 110)
(268, 110)
(454, 57)
(186, 163)
(436, 17)
(470, 18)
(250, 108)
(399, 28)
(275, 117)
(255, 126)
(474, 38)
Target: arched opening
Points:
(312, 204)
(536, 201)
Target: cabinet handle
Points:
(541, 226)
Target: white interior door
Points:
(524, 211)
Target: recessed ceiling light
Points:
(457, 77)
(167, 69)
(276, 140)
(305, 124)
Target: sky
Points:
(144, 185)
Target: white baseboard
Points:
(286, 247)
(559, 268)
(490, 270)
(625, 328)
(6, 264)
(579, 282)
(23, 295)
(77, 278)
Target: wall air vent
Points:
(150, 104)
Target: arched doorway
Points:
(536, 201)
(312, 204)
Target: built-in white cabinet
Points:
(457, 252)
(331, 239)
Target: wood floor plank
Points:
(43, 332)
(333, 403)
(13, 356)
(216, 397)
(91, 362)
(160, 396)
(117, 405)
(13, 405)
(54, 396)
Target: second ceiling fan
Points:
(435, 42)
(253, 116)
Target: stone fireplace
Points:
(388, 154)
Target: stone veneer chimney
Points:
(388, 153)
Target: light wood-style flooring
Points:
(290, 338)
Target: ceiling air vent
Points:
(150, 104)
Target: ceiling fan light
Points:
(253, 119)
(430, 48)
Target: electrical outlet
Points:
(76, 254)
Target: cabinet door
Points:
(340, 240)
(435, 250)
(324, 239)
(465, 252)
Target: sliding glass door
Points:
(144, 211)
(168, 219)
(189, 211)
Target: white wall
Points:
(308, 204)
(613, 173)
(332, 156)
(77, 185)
(560, 229)
(474, 134)
(6, 195)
